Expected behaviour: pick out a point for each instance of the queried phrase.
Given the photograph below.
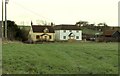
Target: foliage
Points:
(11, 30)
(85, 24)
(82, 23)
(14, 32)
(89, 31)
(23, 33)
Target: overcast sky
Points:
(63, 11)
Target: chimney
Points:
(31, 23)
(52, 24)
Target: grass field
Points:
(60, 58)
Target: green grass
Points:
(60, 58)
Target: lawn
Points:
(60, 58)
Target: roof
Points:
(66, 27)
(41, 28)
(109, 32)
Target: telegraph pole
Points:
(6, 2)
(2, 21)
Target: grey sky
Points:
(63, 11)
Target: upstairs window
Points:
(46, 30)
(77, 31)
(70, 30)
(64, 31)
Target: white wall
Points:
(60, 33)
(57, 35)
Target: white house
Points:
(66, 32)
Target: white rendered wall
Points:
(62, 33)
(57, 34)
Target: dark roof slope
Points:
(40, 29)
(110, 32)
(66, 27)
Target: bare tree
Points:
(42, 22)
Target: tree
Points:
(103, 26)
(22, 34)
(41, 22)
(81, 23)
(91, 26)
(11, 30)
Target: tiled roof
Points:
(66, 27)
(41, 28)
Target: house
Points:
(67, 32)
(41, 33)
(111, 35)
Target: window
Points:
(64, 37)
(77, 37)
(46, 30)
(77, 31)
(50, 37)
(70, 30)
(37, 36)
(64, 30)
